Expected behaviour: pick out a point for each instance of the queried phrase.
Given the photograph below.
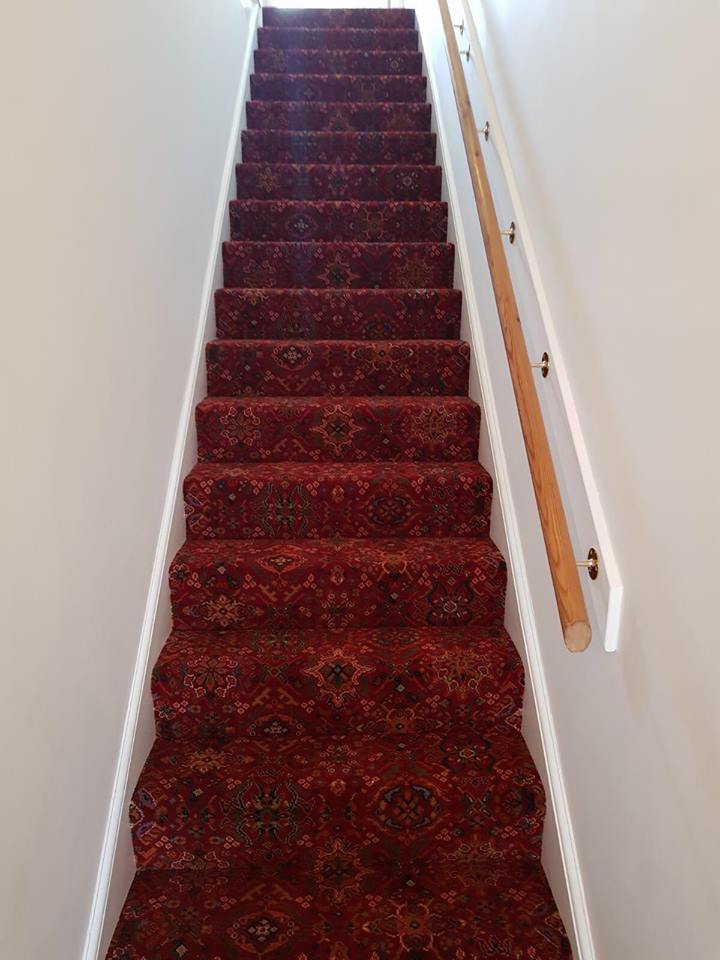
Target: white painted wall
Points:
(116, 119)
(610, 114)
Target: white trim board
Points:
(116, 867)
(491, 384)
(586, 515)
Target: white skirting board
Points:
(116, 865)
(515, 524)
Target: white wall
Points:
(116, 120)
(610, 112)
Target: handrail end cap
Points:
(578, 636)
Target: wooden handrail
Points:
(563, 568)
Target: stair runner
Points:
(339, 772)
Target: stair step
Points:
(333, 38)
(325, 500)
(338, 147)
(401, 682)
(470, 908)
(462, 909)
(336, 429)
(366, 19)
(358, 88)
(337, 265)
(281, 181)
(365, 221)
(199, 806)
(321, 314)
(292, 115)
(367, 62)
(278, 584)
(294, 368)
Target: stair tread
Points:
(336, 471)
(326, 500)
(308, 78)
(322, 203)
(366, 221)
(338, 115)
(499, 745)
(339, 17)
(322, 62)
(337, 367)
(263, 797)
(334, 38)
(326, 181)
(282, 554)
(347, 402)
(467, 909)
(365, 314)
(337, 264)
(340, 146)
(370, 582)
(338, 87)
(299, 642)
(384, 681)
(337, 428)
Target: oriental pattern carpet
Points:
(339, 772)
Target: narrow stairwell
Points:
(339, 772)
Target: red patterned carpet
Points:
(338, 772)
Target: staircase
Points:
(338, 772)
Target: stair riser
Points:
(271, 368)
(336, 683)
(300, 587)
(362, 19)
(333, 62)
(334, 314)
(339, 220)
(332, 182)
(268, 805)
(352, 89)
(288, 146)
(320, 503)
(339, 430)
(309, 38)
(377, 117)
(338, 265)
